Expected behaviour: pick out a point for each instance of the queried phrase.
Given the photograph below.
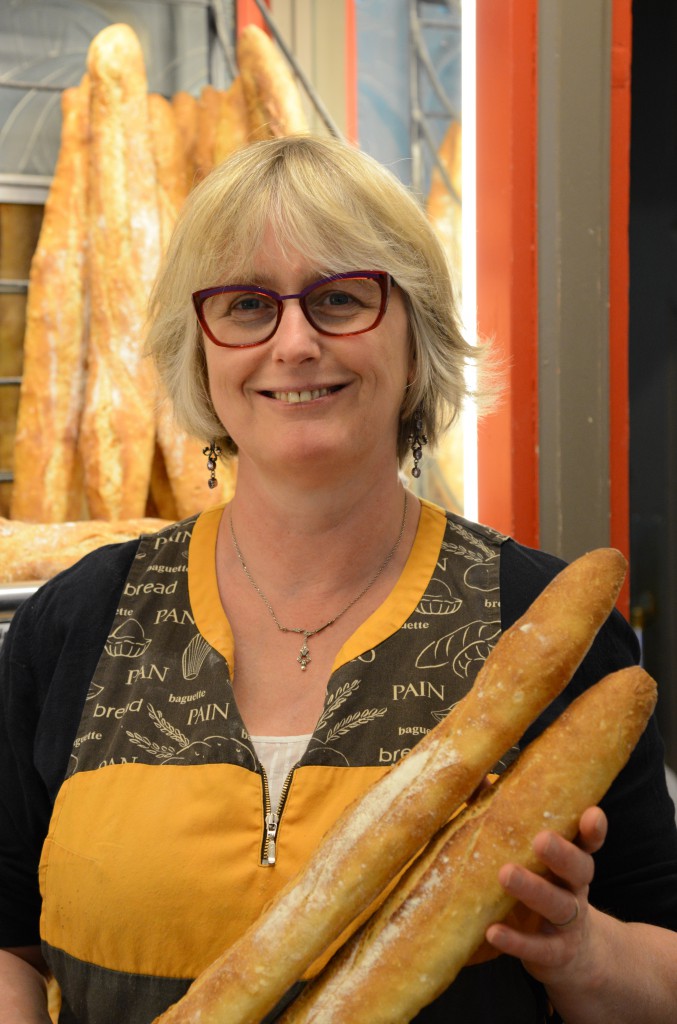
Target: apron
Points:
(160, 847)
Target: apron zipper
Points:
(272, 819)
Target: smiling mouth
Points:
(307, 395)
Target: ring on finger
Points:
(570, 920)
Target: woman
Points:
(185, 723)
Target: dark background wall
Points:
(653, 348)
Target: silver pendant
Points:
(304, 656)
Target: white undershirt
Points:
(278, 755)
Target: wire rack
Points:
(434, 77)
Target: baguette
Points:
(381, 831)
(232, 127)
(179, 477)
(37, 551)
(171, 162)
(46, 475)
(274, 105)
(222, 124)
(161, 501)
(185, 107)
(184, 470)
(118, 424)
(416, 944)
(208, 113)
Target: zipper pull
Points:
(271, 832)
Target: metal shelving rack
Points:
(435, 39)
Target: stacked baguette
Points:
(95, 437)
(117, 429)
(381, 832)
(37, 551)
(430, 926)
(274, 107)
(47, 484)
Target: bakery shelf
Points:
(12, 595)
(10, 287)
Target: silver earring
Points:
(212, 451)
(416, 441)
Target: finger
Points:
(568, 862)
(530, 948)
(558, 906)
(592, 829)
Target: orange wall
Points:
(247, 13)
(507, 283)
(507, 286)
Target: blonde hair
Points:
(342, 211)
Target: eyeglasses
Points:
(242, 315)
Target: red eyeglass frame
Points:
(382, 277)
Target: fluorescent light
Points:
(469, 247)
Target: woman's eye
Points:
(340, 298)
(334, 299)
(247, 304)
(250, 306)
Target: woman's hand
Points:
(596, 969)
(559, 949)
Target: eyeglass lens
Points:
(242, 317)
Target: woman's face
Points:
(303, 402)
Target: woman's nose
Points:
(295, 338)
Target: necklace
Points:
(304, 653)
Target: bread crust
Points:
(208, 113)
(232, 128)
(185, 107)
(118, 423)
(34, 552)
(171, 162)
(415, 945)
(274, 105)
(382, 831)
(46, 479)
(179, 480)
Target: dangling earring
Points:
(212, 451)
(416, 440)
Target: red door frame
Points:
(507, 284)
(507, 279)
(247, 13)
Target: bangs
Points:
(312, 214)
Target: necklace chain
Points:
(303, 657)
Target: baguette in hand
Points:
(382, 831)
(411, 950)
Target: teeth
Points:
(299, 396)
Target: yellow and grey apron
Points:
(159, 851)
